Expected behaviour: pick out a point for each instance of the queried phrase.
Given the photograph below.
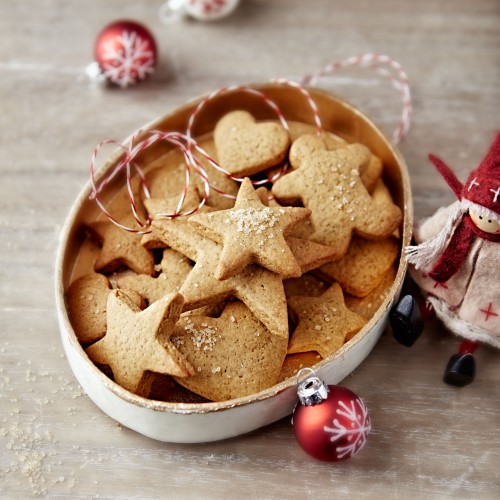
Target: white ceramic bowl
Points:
(202, 422)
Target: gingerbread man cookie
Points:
(328, 183)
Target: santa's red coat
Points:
(469, 302)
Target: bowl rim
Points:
(210, 407)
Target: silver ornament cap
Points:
(312, 390)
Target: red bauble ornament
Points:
(331, 423)
(125, 52)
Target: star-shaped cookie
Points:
(138, 342)
(252, 233)
(328, 183)
(233, 356)
(324, 322)
(120, 248)
(261, 290)
(308, 254)
(174, 269)
(363, 267)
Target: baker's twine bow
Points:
(193, 153)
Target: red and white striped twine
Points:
(388, 68)
(186, 143)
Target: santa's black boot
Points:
(461, 367)
(406, 321)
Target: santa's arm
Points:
(453, 257)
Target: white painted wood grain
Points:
(429, 440)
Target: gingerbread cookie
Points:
(157, 209)
(87, 299)
(233, 356)
(245, 147)
(323, 323)
(368, 306)
(308, 254)
(307, 285)
(369, 170)
(370, 173)
(138, 342)
(166, 177)
(174, 269)
(363, 266)
(261, 290)
(120, 248)
(328, 183)
(295, 362)
(251, 233)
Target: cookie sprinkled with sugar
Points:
(252, 233)
(236, 358)
(254, 220)
(204, 337)
(315, 329)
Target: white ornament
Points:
(202, 10)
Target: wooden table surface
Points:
(429, 440)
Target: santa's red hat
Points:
(481, 192)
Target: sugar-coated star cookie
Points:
(252, 233)
(261, 290)
(138, 342)
(328, 183)
(323, 322)
(233, 356)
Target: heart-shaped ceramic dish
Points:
(202, 422)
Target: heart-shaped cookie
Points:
(246, 147)
(233, 356)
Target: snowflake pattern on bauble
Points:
(210, 7)
(127, 59)
(356, 430)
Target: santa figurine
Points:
(456, 263)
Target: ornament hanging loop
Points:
(312, 390)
